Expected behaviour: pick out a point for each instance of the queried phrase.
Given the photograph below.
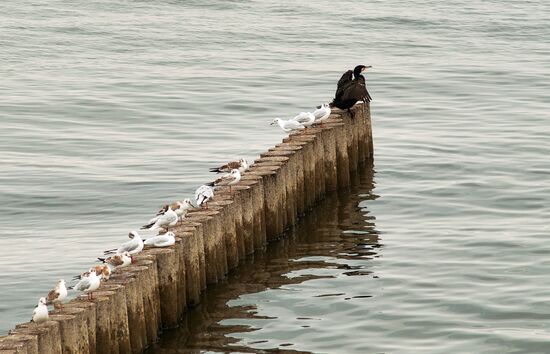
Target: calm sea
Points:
(110, 108)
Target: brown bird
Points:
(241, 165)
(58, 294)
(119, 260)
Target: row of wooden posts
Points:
(136, 303)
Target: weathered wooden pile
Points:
(137, 302)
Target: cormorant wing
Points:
(356, 91)
(344, 81)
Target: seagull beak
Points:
(271, 123)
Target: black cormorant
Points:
(351, 88)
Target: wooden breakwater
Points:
(130, 310)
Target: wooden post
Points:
(192, 251)
(167, 268)
(48, 332)
(207, 217)
(230, 215)
(272, 200)
(254, 182)
(342, 160)
(150, 294)
(120, 333)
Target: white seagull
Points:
(88, 284)
(305, 118)
(321, 114)
(288, 125)
(241, 165)
(40, 312)
(168, 239)
(58, 294)
(166, 219)
(203, 194)
(180, 208)
(119, 260)
(135, 245)
(235, 177)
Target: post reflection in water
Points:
(279, 297)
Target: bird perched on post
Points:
(103, 271)
(40, 312)
(135, 245)
(203, 194)
(241, 165)
(322, 113)
(305, 118)
(58, 294)
(168, 239)
(164, 219)
(288, 126)
(118, 260)
(351, 88)
(234, 176)
(88, 283)
(180, 208)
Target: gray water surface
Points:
(109, 109)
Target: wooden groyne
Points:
(130, 309)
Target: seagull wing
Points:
(52, 295)
(294, 125)
(168, 218)
(83, 284)
(322, 112)
(151, 241)
(160, 241)
(165, 242)
(301, 118)
(198, 193)
(128, 246)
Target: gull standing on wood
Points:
(58, 294)
(165, 220)
(103, 271)
(88, 284)
(203, 194)
(241, 165)
(321, 114)
(235, 177)
(135, 245)
(288, 125)
(168, 239)
(40, 312)
(305, 118)
(180, 208)
(119, 260)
